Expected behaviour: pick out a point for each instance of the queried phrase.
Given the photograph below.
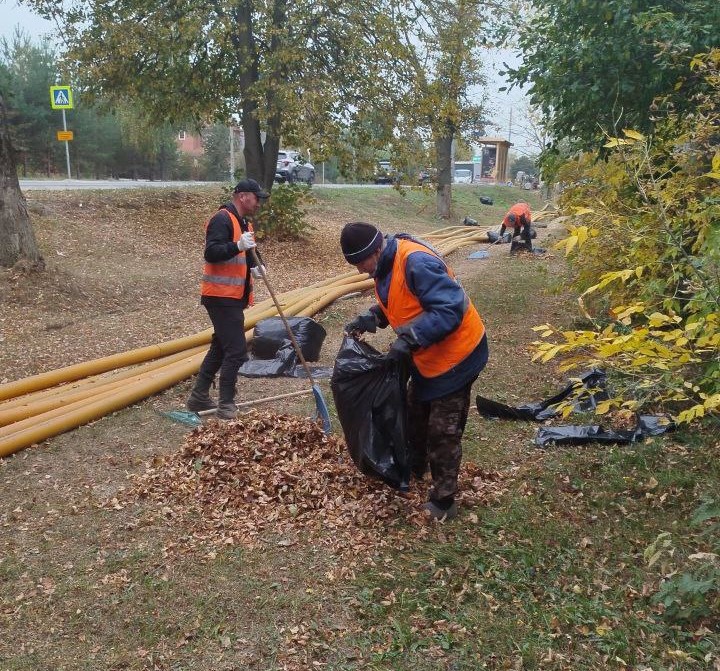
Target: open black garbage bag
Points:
(594, 383)
(594, 386)
(369, 392)
(270, 335)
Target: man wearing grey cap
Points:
(439, 334)
(227, 289)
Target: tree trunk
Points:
(17, 239)
(443, 155)
(260, 160)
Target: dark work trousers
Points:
(435, 429)
(228, 347)
(523, 232)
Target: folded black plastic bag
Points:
(593, 387)
(647, 425)
(285, 364)
(369, 391)
(590, 388)
(270, 335)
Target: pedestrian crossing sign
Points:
(61, 98)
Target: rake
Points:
(320, 405)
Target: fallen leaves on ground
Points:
(275, 477)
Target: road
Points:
(69, 184)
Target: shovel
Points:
(320, 405)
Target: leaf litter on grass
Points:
(278, 478)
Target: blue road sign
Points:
(61, 98)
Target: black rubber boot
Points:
(441, 509)
(199, 398)
(226, 404)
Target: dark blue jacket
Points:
(443, 302)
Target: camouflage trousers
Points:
(435, 429)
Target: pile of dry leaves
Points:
(268, 476)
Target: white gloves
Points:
(255, 271)
(246, 241)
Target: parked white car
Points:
(463, 176)
(291, 167)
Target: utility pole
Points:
(510, 126)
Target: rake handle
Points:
(291, 335)
(257, 401)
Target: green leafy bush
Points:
(283, 216)
(644, 245)
(690, 587)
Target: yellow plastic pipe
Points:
(61, 397)
(105, 399)
(80, 370)
(87, 412)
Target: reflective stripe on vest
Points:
(227, 279)
(404, 308)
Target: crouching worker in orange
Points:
(519, 219)
(439, 334)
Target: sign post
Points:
(61, 99)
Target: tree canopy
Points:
(298, 70)
(597, 67)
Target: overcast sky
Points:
(14, 15)
(506, 109)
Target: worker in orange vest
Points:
(519, 219)
(439, 334)
(227, 289)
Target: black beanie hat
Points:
(359, 240)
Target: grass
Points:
(415, 206)
(550, 576)
(554, 577)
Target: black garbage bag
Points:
(485, 200)
(285, 364)
(370, 395)
(494, 236)
(647, 425)
(593, 385)
(271, 334)
(593, 382)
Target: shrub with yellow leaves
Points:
(644, 247)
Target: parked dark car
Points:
(385, 173)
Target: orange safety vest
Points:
(520, 210)
(227, 279)
(404, 307)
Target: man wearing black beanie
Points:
(439, 333)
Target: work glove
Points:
(400, 350)
(364, 323)
(246, 241)
(258, 271)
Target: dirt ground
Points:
(105, 293)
